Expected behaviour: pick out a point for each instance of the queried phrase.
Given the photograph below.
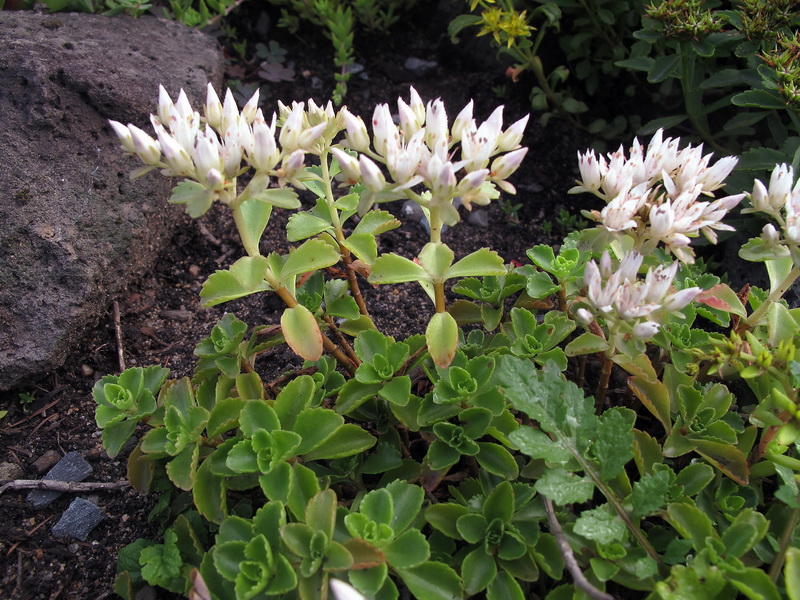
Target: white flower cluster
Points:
(212, 154)
(780, 201)
(654, 195)
(421, 151)
(628, 304)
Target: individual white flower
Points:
(178, 161)
(584, 316)
(384, 131)
(291, 168)
(165, 106)
(409, 123)
(621, 212)
(436, 134)
(770, 235)
(402, 161)
(265, 153)
(207, 155)
(780, 185)
(591, 174)
(471, 189)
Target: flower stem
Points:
(602, 385)
(786, 539)
(774, 296)
(347, 258)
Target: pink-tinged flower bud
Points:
(175, 155)
(249, 110)
(230, 113)
(584, 316)
(165, 106)
(645, 330)
(679, 299)
(145, 147)
(780, 185)
(124, 136)
(472, 181)
(213, 108)
(265, 151)
(357, 136)
(371, 174)
(770, 235)
(505, 165)
(591, 175)
(348, 165)
(463, 122)
(511, 137)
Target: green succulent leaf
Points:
(432, 581)
(244, 277)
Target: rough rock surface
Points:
(74, 229)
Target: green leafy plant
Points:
(468, 461)
(339, 20)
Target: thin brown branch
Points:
(118, 335)
(60, 486)
(574, 569)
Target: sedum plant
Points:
(466, 461)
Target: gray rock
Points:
(78, 520)
(478, 217)
(75, 230)
(419, 67)
(70, 468)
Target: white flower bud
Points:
(183, 107)
(780, 185)
(207, 154)
(511, 137)
(249, 110)
(213, 108)
(344, 591)
(348, 165)
(357, 136)
(176, 157)
(770, 235)
(408, 119)
(417, 105)
(760, 197)
(679, 299)
(230, 113)
(292, 129)
(265, 151)
(165, 106)
(384, 131)
(506, 164)
(309, 138)
(645, 330)
(145, 147)
(462, 122)
(372, 176)
(124, 135)
(584, 316)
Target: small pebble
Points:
(419, 67)
(355, 68)
(10, 471)
(194, 270)
(86, 370)
(479, 218)
(46, 461)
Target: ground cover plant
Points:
(467, 460)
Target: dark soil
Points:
(162, 321)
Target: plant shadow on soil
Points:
(162, 321)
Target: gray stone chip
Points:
(70, 468)
(78, 520)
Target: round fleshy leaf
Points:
(442, 338)
(302, 332)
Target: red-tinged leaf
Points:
(728, 459)
(722, 297)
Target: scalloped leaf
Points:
(244, 277)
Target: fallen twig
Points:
(118, 334)
(60, 486)
(569, 558)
